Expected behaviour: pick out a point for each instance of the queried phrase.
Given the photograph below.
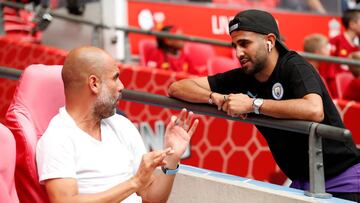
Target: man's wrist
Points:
(211, 101)
(257, 104)
(135, 183)
(172, 162)
(170, 171)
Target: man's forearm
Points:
(292, 109)
(60, 191)
(190, 90)
(116, 194)
(160, 188)
(310, 107)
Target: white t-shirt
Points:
(66, 151)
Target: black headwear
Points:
(257, 21)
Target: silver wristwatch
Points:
(257, 103)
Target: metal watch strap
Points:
(170, 171)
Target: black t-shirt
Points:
(292, 78)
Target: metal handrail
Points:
(128, 29)
(330, 59)
(298, 126)
(10, 73)
(315, 130)
(337, 60)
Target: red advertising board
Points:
(211, 21)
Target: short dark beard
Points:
(258, 63)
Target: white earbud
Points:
(269, 46)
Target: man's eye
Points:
(243, 44)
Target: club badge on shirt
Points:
(277, 91)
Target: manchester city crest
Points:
(277, 91)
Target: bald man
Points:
(90, 154)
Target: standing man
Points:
(90, 154)
(276, 82)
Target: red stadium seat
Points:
(198, 54)
(18, 24)
(7, 166)
(221, 64)
(146, 47)
(342, 81)
(38, 97)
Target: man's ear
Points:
(94, 84)
(271, 38)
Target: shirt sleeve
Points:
(55, 157)
(303, 79)
(228, 82)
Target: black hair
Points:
(160, 40)
(348, 16)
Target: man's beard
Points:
(105, 105)
(258, 64)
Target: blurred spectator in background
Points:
(170, 53)
(303, 5)
(349, 4)
(317, 44)
(344, 44)
(352, 92)
(268, 4)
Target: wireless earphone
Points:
(269, 46)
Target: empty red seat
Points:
(220, 64)
(198, 55)
(342, 81)
(7, 166)
(18, 24)
(38, 97)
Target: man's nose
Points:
(239, 52)
(120, 86)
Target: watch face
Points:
(258, 102)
